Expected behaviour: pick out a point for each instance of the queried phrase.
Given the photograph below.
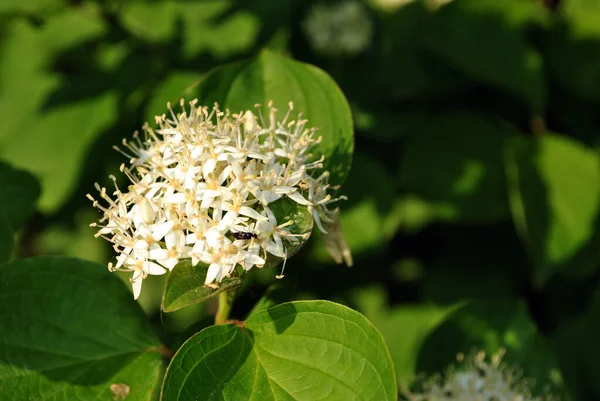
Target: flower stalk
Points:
(226, 299)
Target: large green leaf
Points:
(42, 132)
(185, 286)
(19, 193)
(555, 198)
(271, 77)
(70, 330)
(56, 142)
(489, 327)
(306, 350)
(455, 162)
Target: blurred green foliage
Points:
(474, 194)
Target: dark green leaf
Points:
(455, 162)
(185, 286)
(70, 330)
(307, 350)
(573, 62)
(18, 196)
(6, 240)
(488, 327)
(271, 77)
(555, 198)
(485, 46)
(588, 349)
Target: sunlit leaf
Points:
(38, 134)
(555, 198)
(307, 350)
(583, 17)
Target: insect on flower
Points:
(244, 235)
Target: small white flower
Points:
(204, 176)
(340, 28)
(477, 380)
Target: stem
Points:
(225, 303)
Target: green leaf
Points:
(555, 198)
(185, 286)
(488, 327)
(58, 134)
(56, 159)
(206, 30)
(30, 6)
(583, 17)
(455, 162)
(73, 27)
(153, 21)
(286, 210)
(306, 350)
(486, 46)
(218, 27)
(404, 328)
(69, 330)
(6, 240)
(18, 196)
(270, 76)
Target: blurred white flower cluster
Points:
(343, 28)
(478, 380)
(392, 5)
(201, 188)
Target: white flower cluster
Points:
(478, 381)
(340, 28)
(201, 187)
